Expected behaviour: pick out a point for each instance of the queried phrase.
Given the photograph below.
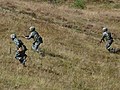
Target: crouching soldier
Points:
(21, 49)
(36, 37)
(108, 38)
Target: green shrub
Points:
(79, 4)
(117, 6)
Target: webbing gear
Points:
(22, 46)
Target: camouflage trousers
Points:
(36, 45)
(21, 56)
(108, 44)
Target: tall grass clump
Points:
(79, 4)
(117, 6)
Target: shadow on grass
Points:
(55, 55)
(118, 50)
(50, 71)
(115, 50)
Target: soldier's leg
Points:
(109, 43)
(33, 46)
(41, 52)
(21, 57)
(23, 60)
(24, 56)
(17, 55)
(36, 45)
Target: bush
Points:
(79, 4)
(117, 6)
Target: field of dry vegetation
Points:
(73, 58)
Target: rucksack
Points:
(41, 40)
(22, 46)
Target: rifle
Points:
(10, 48)
(21, 36)
(25, 34)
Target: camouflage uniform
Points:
(20, 55)
(37, 39)
(108, 38)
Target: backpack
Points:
(22, 46)
(41, 40)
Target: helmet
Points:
(104, 29)
(32, 28)
(13, 36)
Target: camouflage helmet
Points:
(104, 29)
(32, 28)
(13, 36)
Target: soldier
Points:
(21, 49)
(108, 38)
(36, 37)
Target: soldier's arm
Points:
(19, 49)
(102, 39)
(30, 36)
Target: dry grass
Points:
(73, 61)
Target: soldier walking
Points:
(21, 49)
(36, 37)
(108, 38)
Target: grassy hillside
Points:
(74, 60)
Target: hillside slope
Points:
(74, 60)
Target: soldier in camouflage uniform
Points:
(36, 37)
(21, 49)
(108, 38)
